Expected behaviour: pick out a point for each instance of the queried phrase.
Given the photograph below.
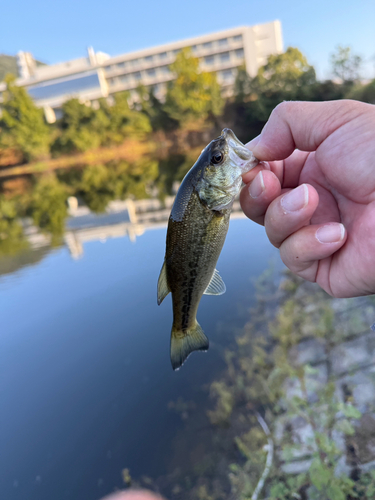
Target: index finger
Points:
(302, 125)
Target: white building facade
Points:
(99, 75)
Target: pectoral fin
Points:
(216, 285)
(163, 288)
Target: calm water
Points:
(85, 370)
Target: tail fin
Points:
(184, 343)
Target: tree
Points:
(242, 84)
(22, 124)
(364, 93)
(82, 127)
(193, 94)
(286, 76)
(124, 121)
(153, 108)
(345, 64)
(48, 205)
(12, 238)
(288, 73)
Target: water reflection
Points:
(86, 376)
(91, 403)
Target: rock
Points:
(296, 467)
(353, 354)
(314, 382)
(361, 386)
(310, 351)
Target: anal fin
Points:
(163, 288)
(216, 286)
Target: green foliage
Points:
(12, 240)
(242, 85)
(260, 371)
(82, 127)
(345, 64)
(103, 183)
(364, 93)
(22, 124)
(122, 121)
(154, 110)
(48, 206)
(193, 94)
(288, 72)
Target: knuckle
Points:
(283, 109)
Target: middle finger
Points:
(289, 212)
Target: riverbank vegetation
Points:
(292, 415)
(121, 147)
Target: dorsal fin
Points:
(216, 286)
(163, 288)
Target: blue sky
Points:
(60, 30)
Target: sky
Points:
(61, 30)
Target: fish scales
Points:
(193, 248)
(196, 233)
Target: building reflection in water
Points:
(122, 218)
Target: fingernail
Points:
(250, 145)
(296, 199)
(331, 233)
(257, 186)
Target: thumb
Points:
(302, 125)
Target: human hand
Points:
(317, 203)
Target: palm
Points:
(345, 182)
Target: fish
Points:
(197, 227)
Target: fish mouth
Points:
(240, 150)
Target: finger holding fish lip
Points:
(256, 196)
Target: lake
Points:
(86, 377)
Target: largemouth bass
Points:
(197, 228)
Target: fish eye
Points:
(217, 158)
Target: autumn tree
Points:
(22, 124)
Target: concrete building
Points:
(99, 75)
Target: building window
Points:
(155, 88)
(124, 78)
(108, 68)
(239, 53)
(112, 81)
(207, 45)
(227, 74)
(224, 57)
(149, 58)
(165, 70)
(163, 55)
(151, 72)
(135, 62)
(176, 51)
(137, 75)
(121, 65)
(223, 42)
(237, 38)
(194, 48)
(209, 59)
